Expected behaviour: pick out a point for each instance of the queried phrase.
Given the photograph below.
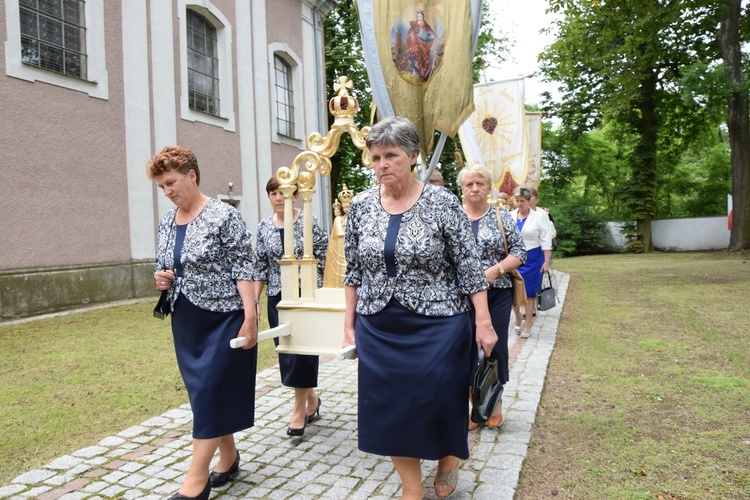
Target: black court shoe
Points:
(296, 432)
(315, 415)
(220, 478)
(203, 495)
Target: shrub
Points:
(580, 229)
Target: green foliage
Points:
(344, 57)
(492, 47)
(580, 227)
(626, 68)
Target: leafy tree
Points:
(620, 63)
(730, 39)
(344, 57)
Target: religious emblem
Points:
(417, 43)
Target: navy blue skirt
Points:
(297, 370)
(220, 381)
(413, 383)
(499, 301)
(531, 271)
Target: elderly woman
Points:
(297, 371)
(203, 260)
(412, 270)
(535, 231)
(488, 225)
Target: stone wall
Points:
(28, 292)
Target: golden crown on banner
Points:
(346, 194)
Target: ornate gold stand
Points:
(311, 319)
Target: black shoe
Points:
(315, 415)
(203, 495)
(220, 478)
(296, 432)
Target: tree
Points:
(344, 57)
(620, 63)
(737, 123)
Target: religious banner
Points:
(419, 60)
(534, 143)
(495, 133)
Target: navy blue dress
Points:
(220, 381)
(412, 370)
(531, 270)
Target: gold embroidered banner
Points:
(425, 55)
(495, 134)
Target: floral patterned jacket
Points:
(216, 252)
(436, 258)
(269, 249)
(490, 243)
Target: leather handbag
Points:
(486, 388)
(547, 296)
(161, 310)
(519, 287)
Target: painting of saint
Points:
(416, 45)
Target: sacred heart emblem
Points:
(489, 124)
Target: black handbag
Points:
(547, 296)
(486, 390)
(161, 310)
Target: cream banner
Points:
(534, 142)
(494, 134)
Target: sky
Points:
(521, 21)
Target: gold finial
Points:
(342, 85)
(343, 107)
(346, 194)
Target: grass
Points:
(69, 381)
(648, 388)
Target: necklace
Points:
(473, 219)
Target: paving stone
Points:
(8, 491)
(35, 492)
(34, 476)
(64, 462)
(91, 451)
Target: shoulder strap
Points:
(502, 229)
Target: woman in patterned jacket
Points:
(203, 260)
(297, 371)
(486, 222)
(412, 270)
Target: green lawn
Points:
(648, 389)
(69, 381)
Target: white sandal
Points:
(525, 335)
(517, 329)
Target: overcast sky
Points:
(521, 21)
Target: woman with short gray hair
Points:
(412, 272)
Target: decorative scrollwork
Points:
(287, 176)
(320, 149)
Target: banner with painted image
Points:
(495, 133)
(419, 60)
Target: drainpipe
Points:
(325, 181)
